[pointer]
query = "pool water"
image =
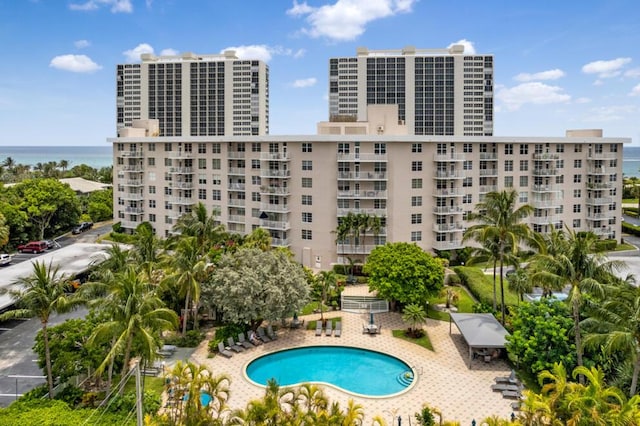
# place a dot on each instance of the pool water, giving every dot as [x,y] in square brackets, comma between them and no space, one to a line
[354,370]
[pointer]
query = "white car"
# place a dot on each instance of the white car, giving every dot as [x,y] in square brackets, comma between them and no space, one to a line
[5,259]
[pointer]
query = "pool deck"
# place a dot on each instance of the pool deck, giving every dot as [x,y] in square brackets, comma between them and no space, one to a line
[444,379]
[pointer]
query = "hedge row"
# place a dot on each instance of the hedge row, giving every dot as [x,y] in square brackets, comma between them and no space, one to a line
[481,285]
[630,229]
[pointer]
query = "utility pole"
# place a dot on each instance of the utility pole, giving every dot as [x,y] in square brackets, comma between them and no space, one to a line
[138,396]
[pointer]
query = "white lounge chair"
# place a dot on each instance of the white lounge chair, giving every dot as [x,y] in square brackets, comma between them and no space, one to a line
[223,351]
[233,346]
[328,329]
[318,328]
[338,331]
[245,344]
[262,336]
[272,335]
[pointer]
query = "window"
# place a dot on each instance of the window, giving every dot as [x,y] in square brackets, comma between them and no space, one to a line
[508,149]
[256,180]
[152,189]
[307,217]
[508,165]
[524,149]
[467,165]
[577,164]
[467,147]
[523,197]
[467,199]
[202,194]
[151,147]
[576,223]
[343,148]
[306,234]
[560,164]
[307,165]
[255,196]
[256,147]
[216,164]
[416,148]
[216,195]
[307,147]
[202,163]
[380,148]
[577,178]
[416,201]
[167,162]
[167,147]
[467,182]
[416,218]
[577,193]
[216,180]
[307,182]
[151,161]
[524,165]
[524,181]
[508,181]
[152,204]
[560,148]
[152,217]
[202,179]
[202,148]
[416,236]
[215,148]
[416,166]
[416,183]
[577,148]
[577,208]
[307,200]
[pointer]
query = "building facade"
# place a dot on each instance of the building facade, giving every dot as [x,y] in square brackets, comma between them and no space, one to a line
[420,188]
[438,91]
[195,95]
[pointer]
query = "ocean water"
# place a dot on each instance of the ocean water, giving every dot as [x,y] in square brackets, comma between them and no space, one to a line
[93,156]
[631,161]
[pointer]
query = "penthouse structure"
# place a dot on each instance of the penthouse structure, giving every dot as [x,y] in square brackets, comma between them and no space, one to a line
[420,188]
[195,95]
[442,92]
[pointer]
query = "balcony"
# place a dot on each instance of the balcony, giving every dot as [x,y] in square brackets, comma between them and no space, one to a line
[362,157]
[448,210]
[449,157]
[448,245]
[485,189]
[133,210]
[551,171]
[602,156]
[369,211]
[362,175]
[131,182]
[274,190]
[274,224]
[236,202]
[488,156]
[274,156]
[131,196]
[545,188]
[600,216]
[177,155]
[601,231]
[449,227]
[236,187]
[354,248]
[132,168]
[236,171]
[235,155]
[131,154]
[128,224]
[181,170]
[236,218]
[545,220]
[362,194]
[447,193]
[601,170]
[185,201]
[488,172]
[546,156]
[278,208]
[546,204]
[449,175]
[600,200]
[274,173]
[280,242]
[180,185]
[600,185]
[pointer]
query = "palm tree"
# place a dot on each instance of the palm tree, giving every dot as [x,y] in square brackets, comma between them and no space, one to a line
[201,225]
[579,266]
[520,283]
[326,280]
[362,226]
[616,327]
[41,294]
[500,221]
[415,316]
[64,164]
[488,252]
[135,314]
[258,238]
[188,270]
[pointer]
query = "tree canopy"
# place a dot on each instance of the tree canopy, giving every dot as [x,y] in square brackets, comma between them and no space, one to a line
[404,272]
[251,285]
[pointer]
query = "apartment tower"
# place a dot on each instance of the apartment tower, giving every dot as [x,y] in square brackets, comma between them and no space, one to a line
[438,91]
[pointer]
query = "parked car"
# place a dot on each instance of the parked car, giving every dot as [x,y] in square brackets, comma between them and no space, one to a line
[50,243]
[33,247]
[5,259]
[82,227]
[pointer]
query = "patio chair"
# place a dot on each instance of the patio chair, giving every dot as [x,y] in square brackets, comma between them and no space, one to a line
[500,387]
[272,335]
[511,379]
[338,331]
[223,351]
[318,328]
[365,329]
[243,342]
[262,336]
[329,329]
[379,329]
[233,346]
[511,394]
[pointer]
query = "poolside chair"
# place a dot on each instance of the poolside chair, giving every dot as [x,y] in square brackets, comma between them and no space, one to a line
[338,331]
[245,344]
[272,335]
[262,336]
[318,328]
[223,351]
[233,346]
[379,329]
[511,379]
[329,330]
[511,394]
[501,387]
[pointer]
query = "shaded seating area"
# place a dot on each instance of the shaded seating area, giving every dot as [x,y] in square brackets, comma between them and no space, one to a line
[482,332]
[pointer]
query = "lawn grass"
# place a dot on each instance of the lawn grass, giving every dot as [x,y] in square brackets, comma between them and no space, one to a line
[311,325]
[624,247]
[481,285]
[151,384]
[421,341]
[310,307]
[464,304]
[630,201]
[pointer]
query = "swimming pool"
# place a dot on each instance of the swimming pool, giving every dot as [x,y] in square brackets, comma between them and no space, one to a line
[354,370]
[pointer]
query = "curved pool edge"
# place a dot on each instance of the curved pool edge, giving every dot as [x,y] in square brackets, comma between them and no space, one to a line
[338,388]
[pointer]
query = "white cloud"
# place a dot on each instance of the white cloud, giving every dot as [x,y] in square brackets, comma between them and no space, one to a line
[543,75]
[611,113]
[530,93]
[133,55]
[582,100]
[635,91]
[304,82]
[633,73]
[469,48]
[169,52]
[606,69]
[117,6]
[263,52]
[74,63]
[346,19]
[81,44]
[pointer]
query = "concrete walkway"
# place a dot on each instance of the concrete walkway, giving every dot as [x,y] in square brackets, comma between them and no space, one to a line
[444,380]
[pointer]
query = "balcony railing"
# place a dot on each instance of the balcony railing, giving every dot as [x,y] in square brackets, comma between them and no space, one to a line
[545,172]
[180,185]
[545,188]
[179,154]
[449,157]
[447,193]
[361,157]
[269,207]
[236,170]
[128,224]
[236,202]
[132,168]
[449,175]
[488,156]
[602,156]
[236,218]
[236,186]
[545,220]
[546,156]
[484,189]
[369,211]
[488,172]
[601,170]
[600,200]
[133,210]
[274,224]
[601,216]
[275,156]
[448,210]
[546,203]
[447,245]
[131,182]
[362,175]
[362,194]
[181,170]
[131,154]
[280,242]
[355,248]
[273,173]
[448,227]
[186,201]
[235,155]
[131,196]
[275,190]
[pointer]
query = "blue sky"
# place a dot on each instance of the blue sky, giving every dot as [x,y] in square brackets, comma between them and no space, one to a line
[558,65]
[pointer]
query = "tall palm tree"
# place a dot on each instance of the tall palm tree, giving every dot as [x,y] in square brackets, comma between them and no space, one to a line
[363,221]
[520,283]
[201,225]
[136,315]
[498,219]
[41,294]
[258,238]
[581,268]
[489,251]
[326,280]
[187,271]
[614,325]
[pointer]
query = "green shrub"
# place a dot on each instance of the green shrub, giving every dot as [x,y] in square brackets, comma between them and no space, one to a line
[121,238]
[340,269]
[223,333]
[151,402]
[453,279]
[606,245]
[481,285]
[190,340]
[70,394]
[425,417]
[630,229]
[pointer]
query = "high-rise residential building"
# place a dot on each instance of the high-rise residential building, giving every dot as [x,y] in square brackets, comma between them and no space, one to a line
[415,188]
[438,91]
[195,95]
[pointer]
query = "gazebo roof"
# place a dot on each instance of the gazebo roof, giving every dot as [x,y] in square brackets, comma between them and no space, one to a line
[480,330]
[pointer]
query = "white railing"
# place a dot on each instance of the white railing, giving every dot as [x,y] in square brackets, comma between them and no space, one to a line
[180,185]
[362,157]
[363,175]
[269,173]
[370,211]
[452,156]
[362,194]
[449,175]
[600,200]
[447,245]
[363,304]
[269,207]
[181,170]
[448,210]
[277,156]
[545,220]
[272,224]
[448,227]
[447,193]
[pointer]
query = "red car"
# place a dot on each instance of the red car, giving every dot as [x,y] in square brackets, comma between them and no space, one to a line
[33,247]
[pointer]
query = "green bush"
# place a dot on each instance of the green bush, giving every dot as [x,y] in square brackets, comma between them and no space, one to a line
[223,333]
[453,279]
[481,285]
[72,395]
[190,340]
[606,245]
[121,238]
[340,269]
[124,404]
[630,229]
